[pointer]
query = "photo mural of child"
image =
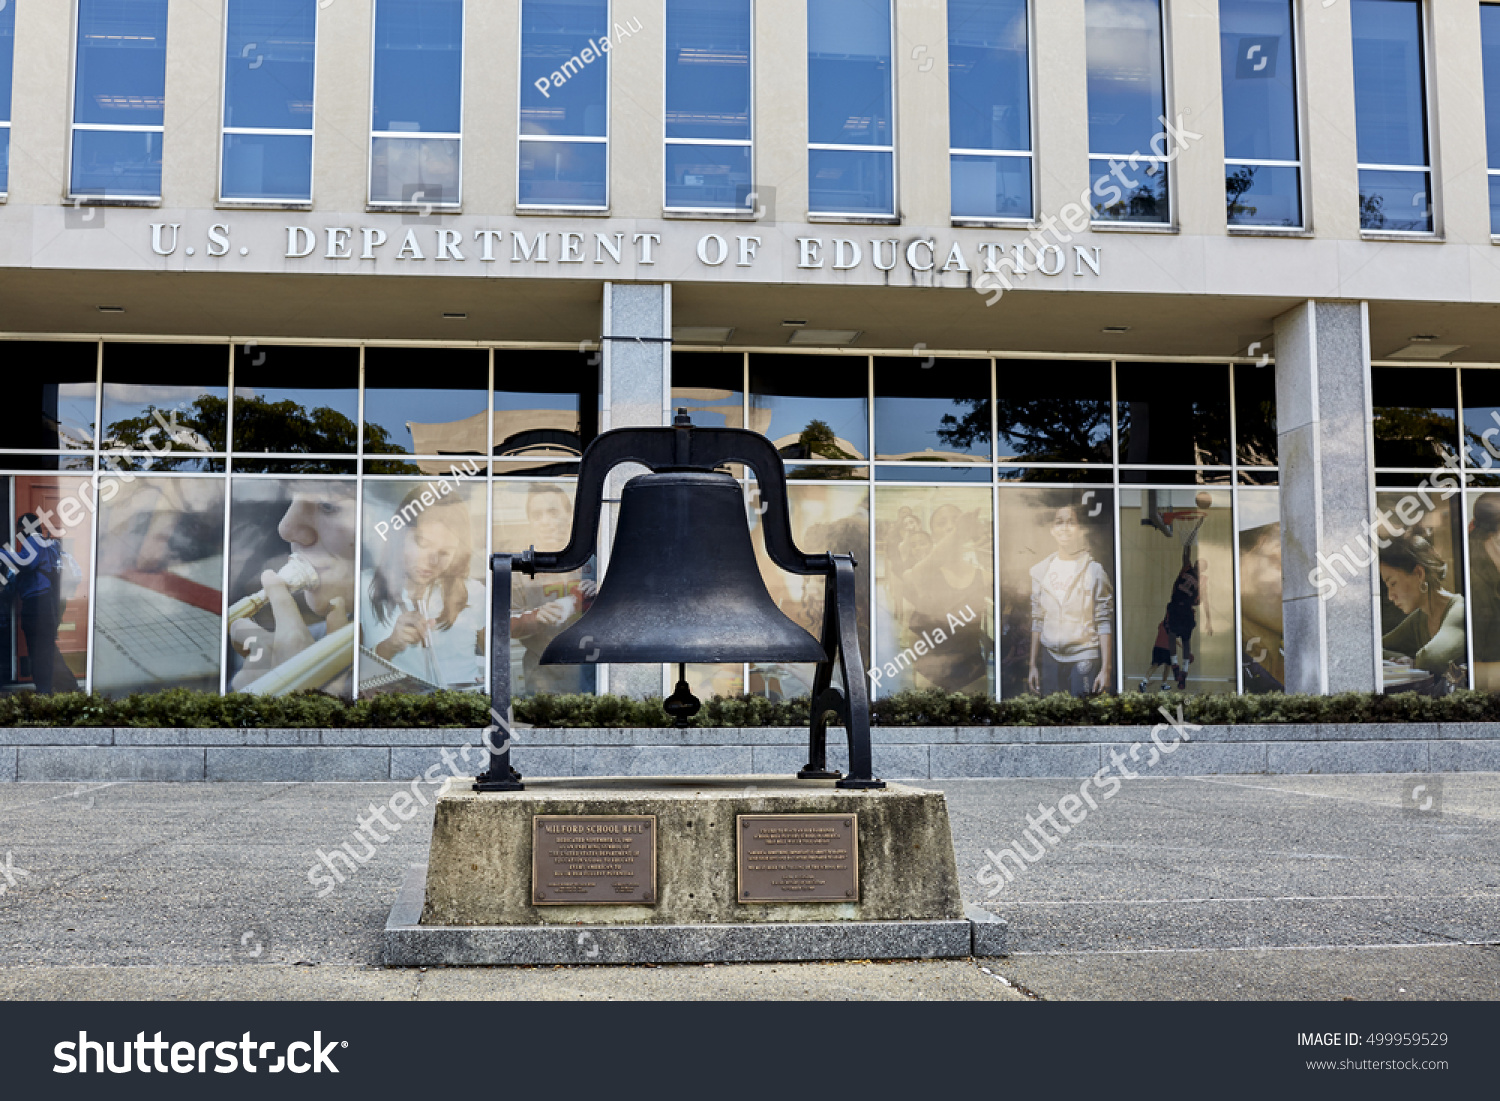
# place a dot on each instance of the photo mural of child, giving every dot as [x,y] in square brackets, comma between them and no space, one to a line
[1176,576]
[1057,589]
[1175,631]
[422,615]
[1072,614]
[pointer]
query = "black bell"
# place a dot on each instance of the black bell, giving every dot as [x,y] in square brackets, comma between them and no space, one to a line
[683,584]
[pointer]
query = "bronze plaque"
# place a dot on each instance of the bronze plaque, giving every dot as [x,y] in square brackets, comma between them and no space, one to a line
[593,859]
[798,857]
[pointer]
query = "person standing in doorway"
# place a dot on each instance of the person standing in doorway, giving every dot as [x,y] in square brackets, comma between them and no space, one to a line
[39,562]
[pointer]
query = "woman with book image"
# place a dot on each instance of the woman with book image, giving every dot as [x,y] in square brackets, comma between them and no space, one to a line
[423,614]
[1432,634]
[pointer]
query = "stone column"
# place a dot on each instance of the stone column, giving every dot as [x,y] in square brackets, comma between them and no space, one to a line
[637,353]
[1323,413]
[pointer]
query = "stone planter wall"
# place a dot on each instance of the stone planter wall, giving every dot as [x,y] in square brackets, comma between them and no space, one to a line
[103,754]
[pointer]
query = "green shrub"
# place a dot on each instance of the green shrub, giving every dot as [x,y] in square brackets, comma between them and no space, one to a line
[181,708]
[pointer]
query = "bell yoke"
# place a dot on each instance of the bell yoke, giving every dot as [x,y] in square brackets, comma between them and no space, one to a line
[683,585]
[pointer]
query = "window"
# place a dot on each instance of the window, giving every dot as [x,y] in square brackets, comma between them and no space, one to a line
[989,109]
[850,135]
[1127,105]
[417,103]
[269,47]
[1390,116]
[119,93]
[1489,34]
[7,64]
[708,104]
[1257,56]
[564,156]
[966,481]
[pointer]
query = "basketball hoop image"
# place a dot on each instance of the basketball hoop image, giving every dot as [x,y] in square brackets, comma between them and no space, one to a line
[1188,589]
[1180,522]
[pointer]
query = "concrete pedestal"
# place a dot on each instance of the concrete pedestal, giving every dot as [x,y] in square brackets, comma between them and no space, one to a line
[475,899]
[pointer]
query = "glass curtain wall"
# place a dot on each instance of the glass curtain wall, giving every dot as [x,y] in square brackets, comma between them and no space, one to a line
[270,518]
[273,517]
[1437,475]
[1031,524]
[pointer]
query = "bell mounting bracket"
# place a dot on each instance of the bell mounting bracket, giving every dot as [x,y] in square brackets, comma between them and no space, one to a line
[685,447]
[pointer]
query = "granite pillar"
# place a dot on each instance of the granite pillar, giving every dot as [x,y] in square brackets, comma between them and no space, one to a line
[1323,409]
[635,339]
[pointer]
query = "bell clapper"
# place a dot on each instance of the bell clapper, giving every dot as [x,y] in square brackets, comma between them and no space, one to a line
[682,705]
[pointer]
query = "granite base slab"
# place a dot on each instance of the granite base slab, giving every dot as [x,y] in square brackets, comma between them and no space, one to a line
[410,944]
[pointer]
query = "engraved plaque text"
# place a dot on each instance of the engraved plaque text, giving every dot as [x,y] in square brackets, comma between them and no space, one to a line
[798,857]
[593,859]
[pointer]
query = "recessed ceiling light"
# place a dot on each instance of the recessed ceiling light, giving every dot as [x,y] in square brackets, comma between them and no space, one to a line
[1115,329]
[1422,350]
[824,336]
[111,309]
[794,322]
[1423,338]
[702,334]
[455,317]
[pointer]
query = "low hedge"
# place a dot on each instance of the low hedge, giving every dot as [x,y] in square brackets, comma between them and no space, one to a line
[180,708]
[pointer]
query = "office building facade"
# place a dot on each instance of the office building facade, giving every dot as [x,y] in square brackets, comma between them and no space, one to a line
[1121,341]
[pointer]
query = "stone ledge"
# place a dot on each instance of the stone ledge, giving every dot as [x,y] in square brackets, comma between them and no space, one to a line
[988,931]
[131,754]
[626,738]
[109,763]
[408,944]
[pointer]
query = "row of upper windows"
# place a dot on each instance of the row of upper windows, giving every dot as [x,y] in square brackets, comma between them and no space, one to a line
[417,106]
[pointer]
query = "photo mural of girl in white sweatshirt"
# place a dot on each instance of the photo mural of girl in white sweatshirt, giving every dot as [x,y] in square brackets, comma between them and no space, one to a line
[1072,614]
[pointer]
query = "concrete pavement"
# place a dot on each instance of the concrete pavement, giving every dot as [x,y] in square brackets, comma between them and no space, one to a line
[1320,887]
